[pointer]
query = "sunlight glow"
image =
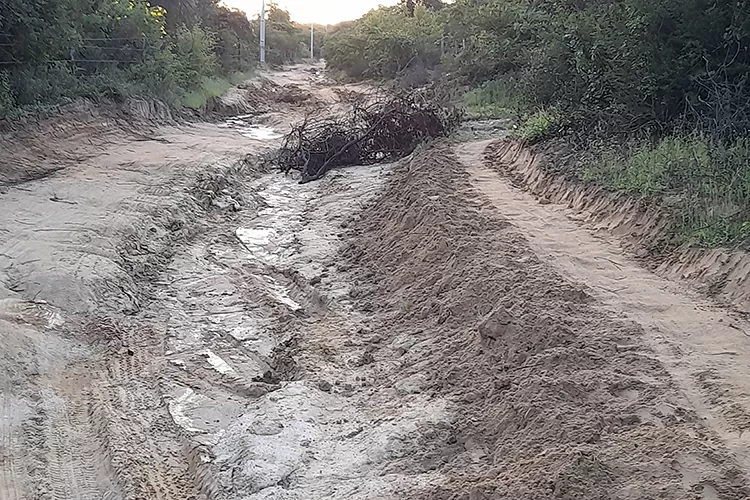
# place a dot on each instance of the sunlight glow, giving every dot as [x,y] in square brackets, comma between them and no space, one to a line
[316,11]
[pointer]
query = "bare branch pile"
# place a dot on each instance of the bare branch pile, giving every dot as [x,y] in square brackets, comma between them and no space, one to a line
[380,129]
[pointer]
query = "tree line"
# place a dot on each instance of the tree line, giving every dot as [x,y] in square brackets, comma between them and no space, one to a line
[176,50]
[653,94]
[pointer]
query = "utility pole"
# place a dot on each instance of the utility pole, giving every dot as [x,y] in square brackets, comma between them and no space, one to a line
[263,33]
[322,48]
[312,40]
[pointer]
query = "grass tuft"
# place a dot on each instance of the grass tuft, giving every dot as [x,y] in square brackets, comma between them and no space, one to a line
[705,184]
[213,87]
[538,126]
[494,99]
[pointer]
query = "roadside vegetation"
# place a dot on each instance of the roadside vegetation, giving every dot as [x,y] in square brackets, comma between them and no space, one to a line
[655,93]
[182,52]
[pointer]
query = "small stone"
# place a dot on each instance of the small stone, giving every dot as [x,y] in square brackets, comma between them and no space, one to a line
[497,324]
[324,386]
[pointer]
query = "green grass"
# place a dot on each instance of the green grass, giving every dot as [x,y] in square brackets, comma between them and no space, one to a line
[494,99]
[499,99]
[704,184]
[538,126]
[213,87]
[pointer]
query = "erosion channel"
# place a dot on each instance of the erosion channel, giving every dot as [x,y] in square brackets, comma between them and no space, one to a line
[178,323]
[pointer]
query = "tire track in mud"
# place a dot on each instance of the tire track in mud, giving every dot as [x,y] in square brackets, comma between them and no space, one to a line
[140,445]
[100,427]
[71,460]
[11,463]
[28,443]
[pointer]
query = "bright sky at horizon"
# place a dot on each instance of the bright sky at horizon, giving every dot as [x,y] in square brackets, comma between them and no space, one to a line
[315,11]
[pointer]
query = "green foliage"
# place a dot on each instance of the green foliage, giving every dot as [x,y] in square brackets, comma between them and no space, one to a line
[610,67]
[44,84]
[213,87]
[65,49]
[385,42]
[237,45]
[540,125]
[7,99]
[706,184]
[494,99]
[194,58]
[286,41]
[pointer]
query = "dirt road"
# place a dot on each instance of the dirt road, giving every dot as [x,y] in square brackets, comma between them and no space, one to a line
[176,324]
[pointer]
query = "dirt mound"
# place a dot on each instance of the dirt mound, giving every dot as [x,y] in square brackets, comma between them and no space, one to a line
[259,96]
[555,397]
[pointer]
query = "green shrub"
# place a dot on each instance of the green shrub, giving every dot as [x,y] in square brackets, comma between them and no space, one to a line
[44,84]
[494,99]
[120,48]
[7,100]
[385,42]
[194,58]
[705,184]
[213,87]
[540,125]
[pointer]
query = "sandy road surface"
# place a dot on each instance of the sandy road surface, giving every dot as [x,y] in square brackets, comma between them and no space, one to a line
[146,308]
[178,325]
[706,349]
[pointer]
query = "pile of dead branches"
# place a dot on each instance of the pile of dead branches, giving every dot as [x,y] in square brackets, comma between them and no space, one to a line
[380,128]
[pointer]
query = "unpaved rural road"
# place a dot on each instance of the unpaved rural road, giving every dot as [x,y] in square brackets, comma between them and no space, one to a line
[177,324]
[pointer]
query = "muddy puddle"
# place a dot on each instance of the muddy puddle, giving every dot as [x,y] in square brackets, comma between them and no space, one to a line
[243,124]
[319,430]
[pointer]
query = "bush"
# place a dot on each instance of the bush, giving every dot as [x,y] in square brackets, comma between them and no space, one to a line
[7,100]
[44,84]
[194,58]
[76,48]
[213,87]
[385,42]
[494,99]
[540,125]
[705,184]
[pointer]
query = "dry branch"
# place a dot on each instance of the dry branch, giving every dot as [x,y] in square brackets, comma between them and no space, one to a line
[382,129]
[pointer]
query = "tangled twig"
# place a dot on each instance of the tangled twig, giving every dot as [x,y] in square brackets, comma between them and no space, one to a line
[383,129]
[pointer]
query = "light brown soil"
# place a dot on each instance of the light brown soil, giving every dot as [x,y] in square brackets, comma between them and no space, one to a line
[557,394]
[641,227]
[177,324]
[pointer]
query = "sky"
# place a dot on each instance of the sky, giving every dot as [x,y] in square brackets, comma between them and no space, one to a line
[316,11]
